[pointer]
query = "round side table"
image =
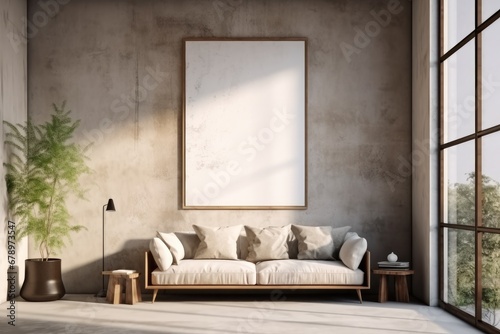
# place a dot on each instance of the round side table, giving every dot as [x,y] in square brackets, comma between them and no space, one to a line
[401,286]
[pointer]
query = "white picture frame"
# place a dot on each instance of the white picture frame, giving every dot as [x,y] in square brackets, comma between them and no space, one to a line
[244,124]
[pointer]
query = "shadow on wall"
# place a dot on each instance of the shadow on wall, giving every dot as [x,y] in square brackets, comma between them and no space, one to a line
[130,257]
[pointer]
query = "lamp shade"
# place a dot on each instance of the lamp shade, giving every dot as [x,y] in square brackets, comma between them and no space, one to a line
[111,205]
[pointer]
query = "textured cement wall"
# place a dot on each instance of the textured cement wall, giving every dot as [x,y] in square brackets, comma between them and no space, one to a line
[425,176]
[118,65]
[13,108]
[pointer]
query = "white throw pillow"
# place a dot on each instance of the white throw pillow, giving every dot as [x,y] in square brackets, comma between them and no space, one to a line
[161,254]
[349,235]
[174,244]
[315,242]
[217,242]
[352,251]
[268,243]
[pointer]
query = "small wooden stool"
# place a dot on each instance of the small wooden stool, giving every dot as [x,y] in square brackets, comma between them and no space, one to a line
[116,284]
[399,282]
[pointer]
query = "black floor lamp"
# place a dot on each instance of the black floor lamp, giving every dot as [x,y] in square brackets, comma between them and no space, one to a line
[106,207]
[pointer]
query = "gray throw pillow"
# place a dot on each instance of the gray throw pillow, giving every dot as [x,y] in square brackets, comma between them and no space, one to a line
[190,242]
[339,234]
[315,242]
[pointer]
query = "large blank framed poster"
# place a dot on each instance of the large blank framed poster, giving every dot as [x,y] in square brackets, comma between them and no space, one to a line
[244,124]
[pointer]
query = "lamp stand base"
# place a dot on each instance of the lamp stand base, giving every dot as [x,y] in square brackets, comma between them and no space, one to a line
[102,293]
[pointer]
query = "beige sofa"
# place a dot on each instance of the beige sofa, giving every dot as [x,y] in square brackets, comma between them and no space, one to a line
[287,258]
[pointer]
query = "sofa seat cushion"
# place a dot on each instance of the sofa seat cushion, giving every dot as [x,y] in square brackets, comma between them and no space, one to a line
[310,272]
[206,272]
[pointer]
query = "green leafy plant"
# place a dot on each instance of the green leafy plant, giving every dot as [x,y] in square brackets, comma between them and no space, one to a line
[43,170]
[462,255]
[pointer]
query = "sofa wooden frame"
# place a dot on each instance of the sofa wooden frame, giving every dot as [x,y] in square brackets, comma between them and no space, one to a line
[148,269]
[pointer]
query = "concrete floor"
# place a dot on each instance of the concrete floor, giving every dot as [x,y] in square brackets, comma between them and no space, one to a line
[79,314]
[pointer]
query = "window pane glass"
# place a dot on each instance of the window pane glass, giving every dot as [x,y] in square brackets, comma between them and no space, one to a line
[491,279]
[491,75]
[459,93]
[458,21]
[459,269]
[459,181]
[489,8]
[491,180]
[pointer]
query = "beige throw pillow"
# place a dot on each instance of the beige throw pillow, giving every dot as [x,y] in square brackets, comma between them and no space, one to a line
[217,242]
[268,243]
[174,244]
[161,254]
[315,242]
[352,251]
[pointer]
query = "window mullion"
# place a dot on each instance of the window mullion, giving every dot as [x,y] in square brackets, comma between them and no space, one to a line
[478,166]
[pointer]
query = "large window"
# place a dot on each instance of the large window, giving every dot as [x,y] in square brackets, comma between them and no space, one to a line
[470,161]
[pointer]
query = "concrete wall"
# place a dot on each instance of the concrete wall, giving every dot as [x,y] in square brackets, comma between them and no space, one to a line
[13,108]
[98,54]
[425,151]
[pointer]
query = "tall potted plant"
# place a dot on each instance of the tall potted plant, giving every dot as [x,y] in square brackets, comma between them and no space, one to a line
[43,169]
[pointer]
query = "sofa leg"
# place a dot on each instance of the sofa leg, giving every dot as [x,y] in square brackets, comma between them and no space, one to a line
[358,291]
[155,292]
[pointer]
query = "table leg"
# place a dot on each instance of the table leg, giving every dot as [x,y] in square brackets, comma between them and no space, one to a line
[138,290]
[110,291]
[401,289]
[117,290]
[382,289]
[129,291]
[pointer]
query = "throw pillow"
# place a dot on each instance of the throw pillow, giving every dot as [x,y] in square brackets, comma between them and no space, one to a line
[217,242]
[292,243]
[352,251]
[190,242]
[339,234]
[315,242]
[268,243]
[161,254]
[349,235]
[242,245]
[174,244]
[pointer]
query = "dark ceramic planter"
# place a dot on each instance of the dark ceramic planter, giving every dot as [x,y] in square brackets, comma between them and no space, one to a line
[42,281]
